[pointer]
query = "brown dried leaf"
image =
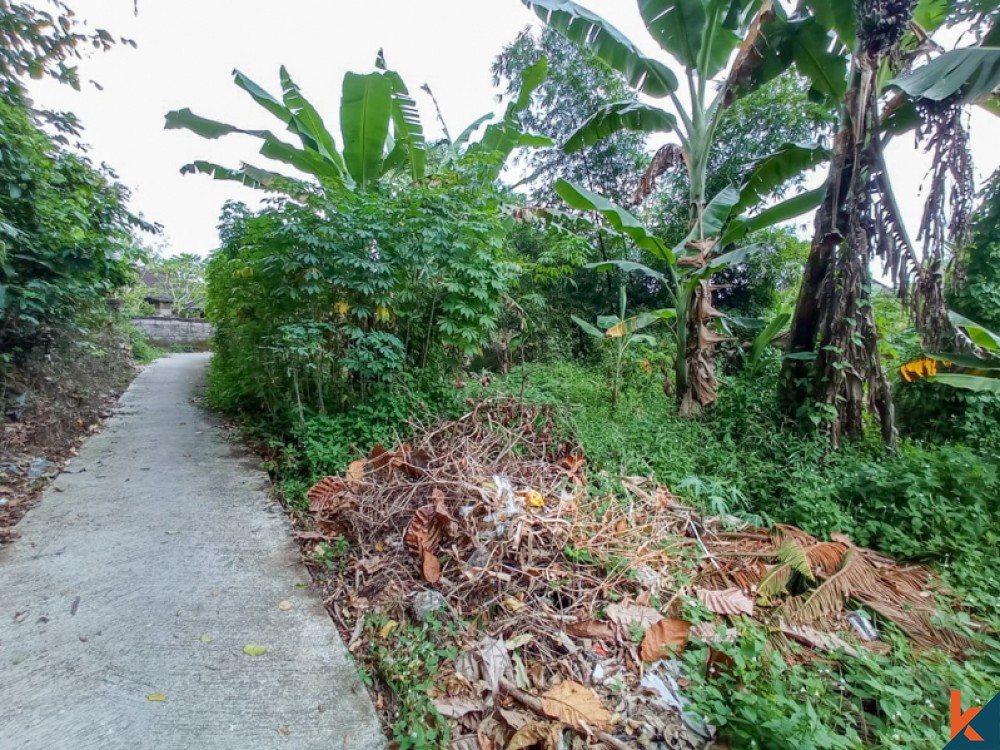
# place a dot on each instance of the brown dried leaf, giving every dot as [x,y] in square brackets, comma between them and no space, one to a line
[535,735]
[430,566]
[817,640]
[326,494]
[664,639]
[595,629]
[826,556]
[425,530]
[575,705]
[626,614]
[355,474]
[456,708]
[515,719]
[380,461]
[856,575]
[727,602]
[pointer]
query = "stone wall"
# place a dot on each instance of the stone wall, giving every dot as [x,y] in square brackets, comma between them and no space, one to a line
[188,332]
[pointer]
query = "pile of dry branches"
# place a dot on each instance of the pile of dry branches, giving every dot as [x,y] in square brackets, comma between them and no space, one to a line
[577,598]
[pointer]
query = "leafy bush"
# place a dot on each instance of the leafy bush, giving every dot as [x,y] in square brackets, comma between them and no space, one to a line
[66,243]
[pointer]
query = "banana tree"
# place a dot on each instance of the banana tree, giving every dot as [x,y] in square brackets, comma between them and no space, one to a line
[381,132]
[834,360]
[616,328]
[979,371]
[701,36]
[686,275]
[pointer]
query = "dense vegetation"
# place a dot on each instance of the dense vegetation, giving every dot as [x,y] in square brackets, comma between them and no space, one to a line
[68,243]
[349,308]
[661,302]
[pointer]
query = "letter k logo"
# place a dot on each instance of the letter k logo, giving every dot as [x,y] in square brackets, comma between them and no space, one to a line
[960,720]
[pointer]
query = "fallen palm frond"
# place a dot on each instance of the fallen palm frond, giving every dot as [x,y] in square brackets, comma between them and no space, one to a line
[492,514]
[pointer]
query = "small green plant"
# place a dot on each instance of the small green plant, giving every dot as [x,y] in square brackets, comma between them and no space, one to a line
[406,658]
[624,337]
[333,555]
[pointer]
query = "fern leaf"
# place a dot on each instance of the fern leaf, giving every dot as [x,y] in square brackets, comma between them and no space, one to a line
[775,583]
[856,575]
[793,554]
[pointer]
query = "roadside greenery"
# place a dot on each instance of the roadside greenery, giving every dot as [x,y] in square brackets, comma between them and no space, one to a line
[384,287]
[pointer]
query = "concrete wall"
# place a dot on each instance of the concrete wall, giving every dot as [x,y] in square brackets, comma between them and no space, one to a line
[189,332]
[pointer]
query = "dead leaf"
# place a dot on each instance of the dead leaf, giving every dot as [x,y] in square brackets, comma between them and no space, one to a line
[380,461]
[575,705]
[664,639]
[515,719]
[456,708]
[665,498]
[326,494]
[595,629]
[283,730]
[727,602]
[425,529]
[514,605]
[818,640]
[285,606]
[430,566]
[355,474]
[627,614]
[386,630]
[535,734]
[519,641]
[495,661]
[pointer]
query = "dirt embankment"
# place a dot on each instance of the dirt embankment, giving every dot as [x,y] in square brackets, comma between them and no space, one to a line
[51,402]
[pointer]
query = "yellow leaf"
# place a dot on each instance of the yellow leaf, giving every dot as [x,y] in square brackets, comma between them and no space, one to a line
[206,638]
[156,697]
[252,649]
[284,606]
[386,630]
[918,368]
[514,605]
[534,499]
[575,705]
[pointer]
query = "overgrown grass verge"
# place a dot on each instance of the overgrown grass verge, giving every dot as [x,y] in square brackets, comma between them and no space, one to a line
[932,503]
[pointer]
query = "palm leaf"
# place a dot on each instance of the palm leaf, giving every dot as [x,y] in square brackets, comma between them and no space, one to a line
[607,43]
[967,75]
[854,576]
[365,112]
[618,116]
[767,174]
[308,124]
[620,219]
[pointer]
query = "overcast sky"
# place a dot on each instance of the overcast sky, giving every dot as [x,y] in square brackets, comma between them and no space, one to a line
[188,49]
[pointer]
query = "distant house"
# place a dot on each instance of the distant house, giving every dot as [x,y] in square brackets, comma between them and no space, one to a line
[154,285]
[163,306]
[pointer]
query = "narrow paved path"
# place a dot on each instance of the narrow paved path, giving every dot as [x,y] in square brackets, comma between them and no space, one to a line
[145,570]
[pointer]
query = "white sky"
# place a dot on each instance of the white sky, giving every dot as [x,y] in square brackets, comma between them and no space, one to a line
[188,49]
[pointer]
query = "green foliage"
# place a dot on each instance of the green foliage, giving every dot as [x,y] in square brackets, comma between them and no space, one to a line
[406,659]
[576,86]
[39,42]
[764,700]
[975,292]
[66,243]
[312,313]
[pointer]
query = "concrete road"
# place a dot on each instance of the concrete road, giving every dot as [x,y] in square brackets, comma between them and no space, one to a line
[140,577]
